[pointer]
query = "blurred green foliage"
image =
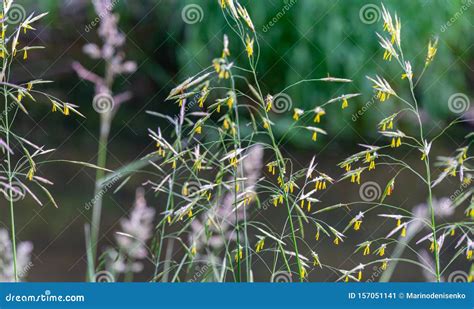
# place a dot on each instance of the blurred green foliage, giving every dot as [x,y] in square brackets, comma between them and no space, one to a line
[310,39]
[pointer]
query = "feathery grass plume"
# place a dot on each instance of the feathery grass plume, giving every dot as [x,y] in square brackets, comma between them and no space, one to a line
[105,102]
[23,258]
[21,158]
[218,221]
[223,126]
[408,224]
[136,230]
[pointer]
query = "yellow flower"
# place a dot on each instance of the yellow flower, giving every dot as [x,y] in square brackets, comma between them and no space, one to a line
[266,124]
[31,173]
[260,245]
[272,167]
[372,165]
[268,103]
[384,264]
[357,225]
[249,46]
[66,110]
[347,167]
[396,142]
[405,75]
[303,272]
[345,103]
[404,231]
[367,249]
[387,55]
[316,261]
[297,113]
[432,49]
[238,255]
[383,96]
[318,113]
[230,102]
[382,250]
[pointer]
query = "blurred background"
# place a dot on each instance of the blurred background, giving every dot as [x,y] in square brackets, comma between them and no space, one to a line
[311,39]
